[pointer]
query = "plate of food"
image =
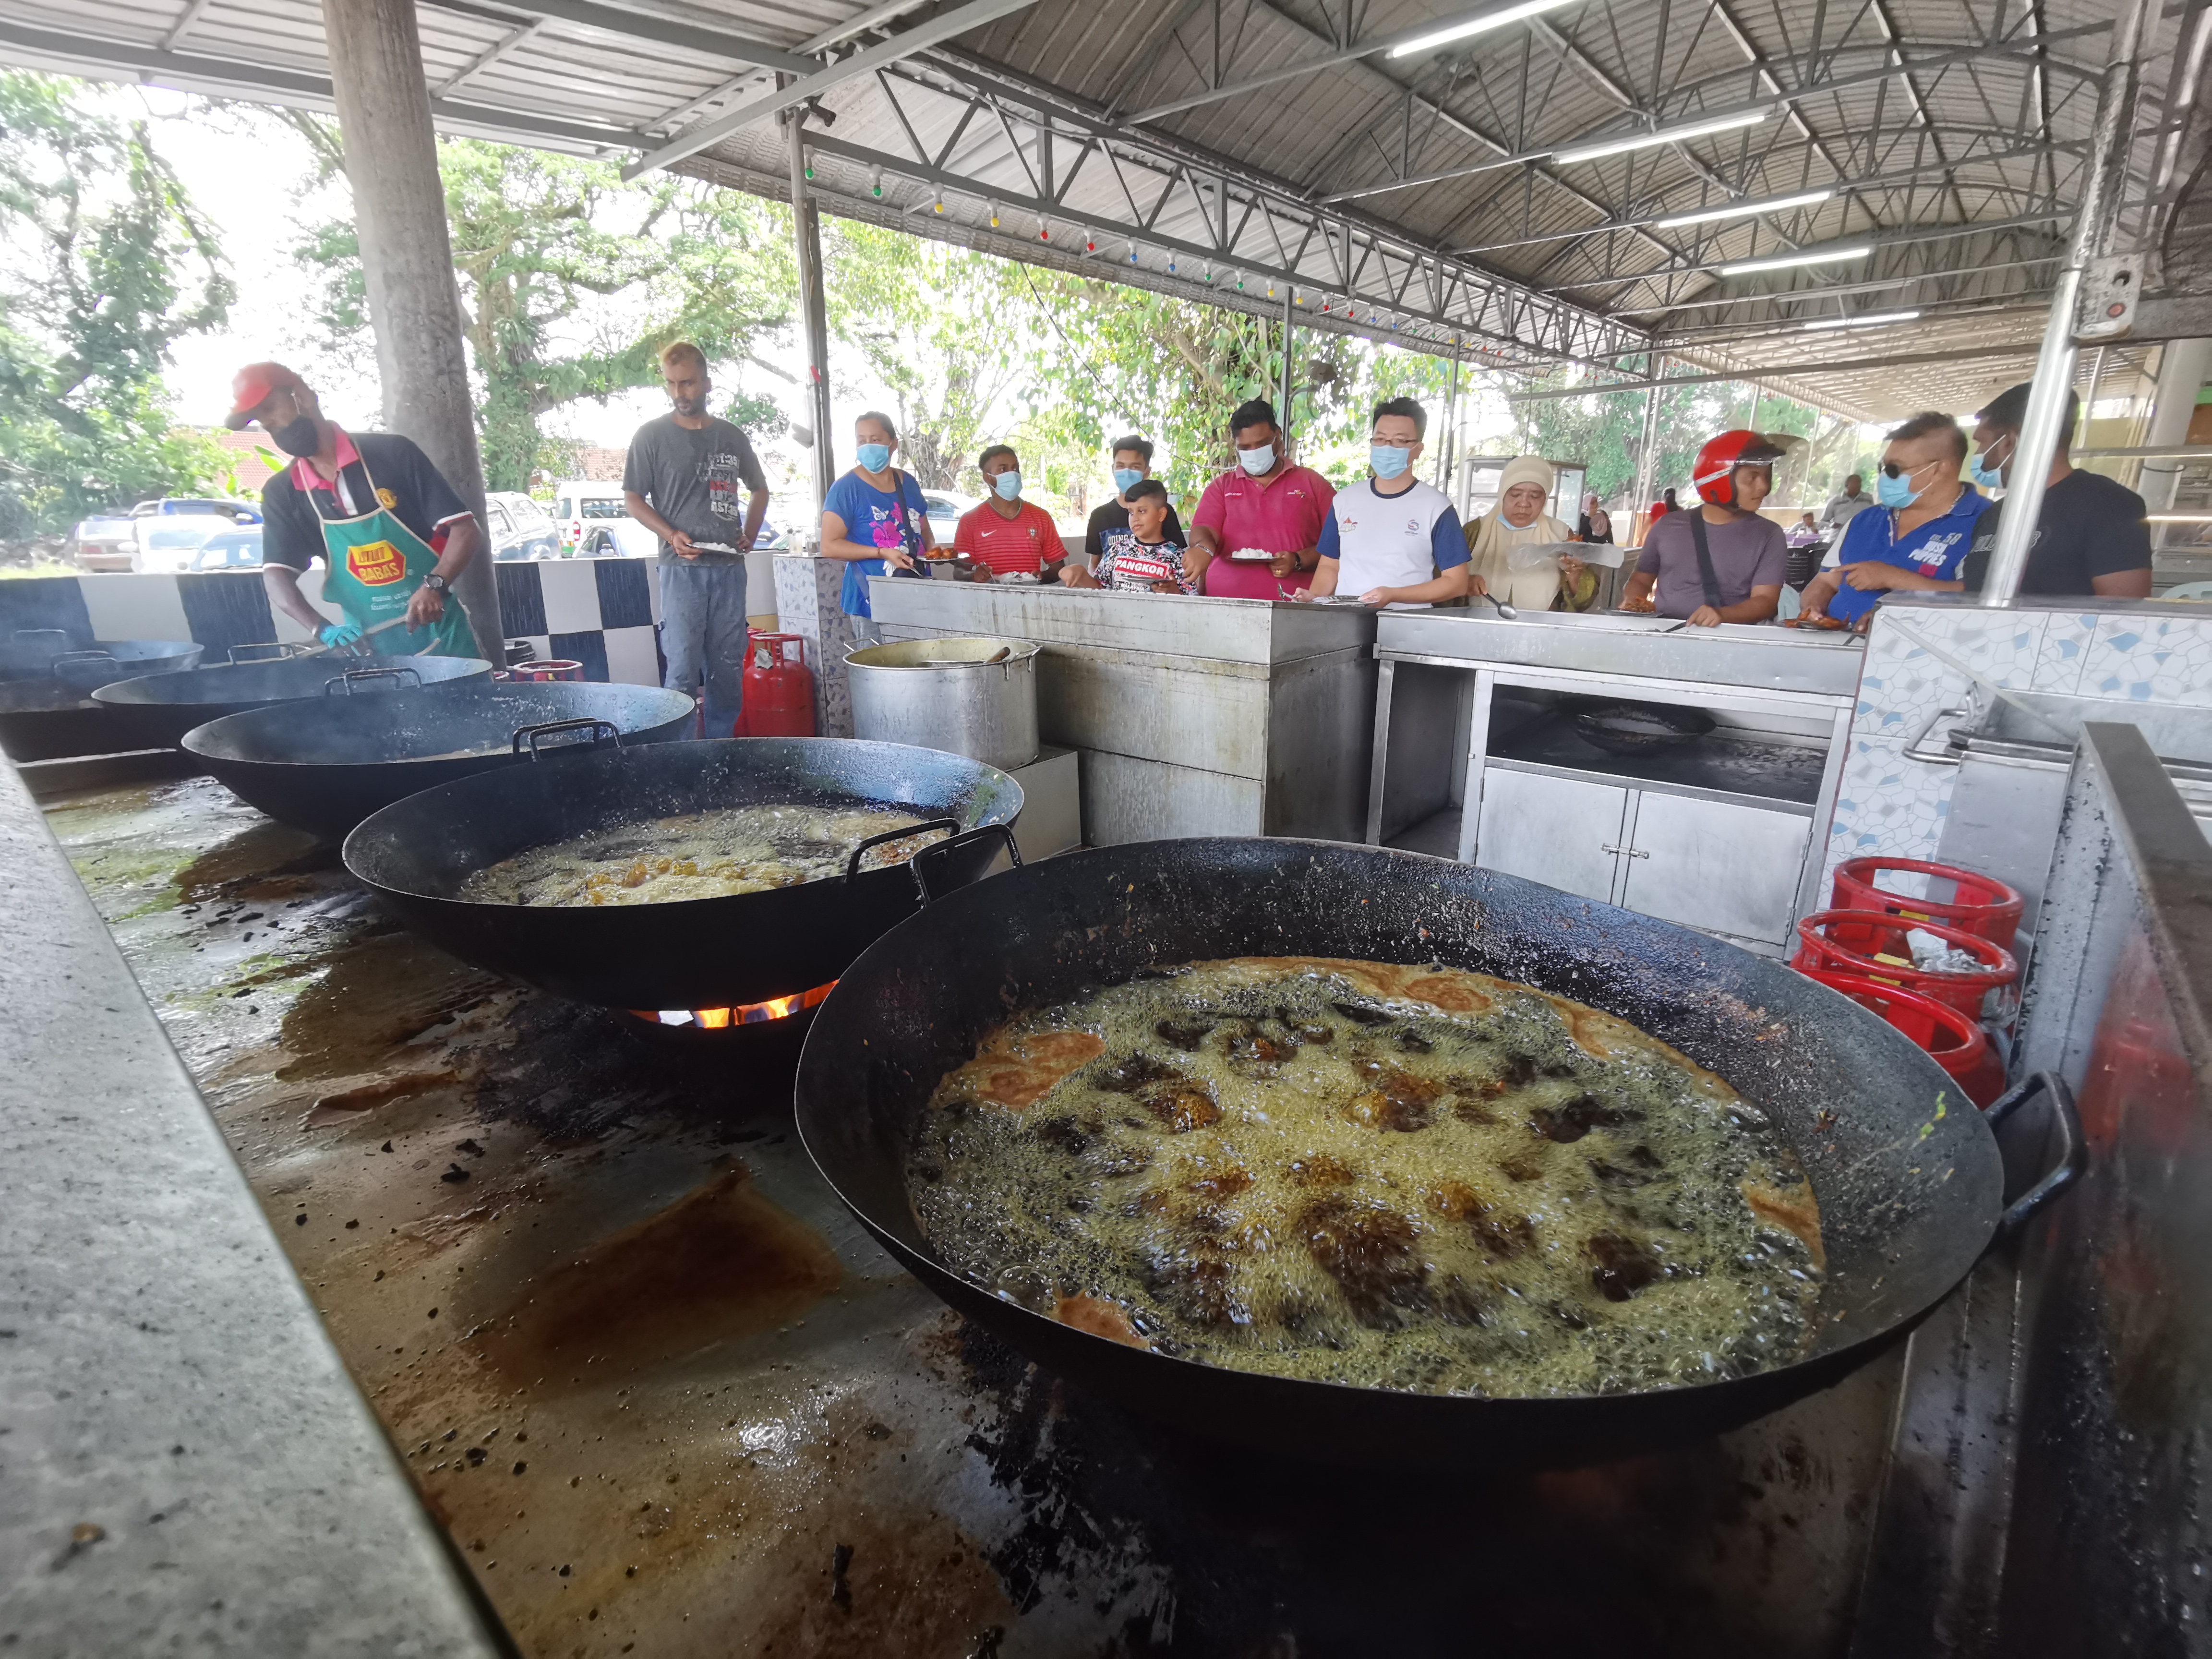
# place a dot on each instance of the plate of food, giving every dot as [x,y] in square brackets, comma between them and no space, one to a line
[1253,556]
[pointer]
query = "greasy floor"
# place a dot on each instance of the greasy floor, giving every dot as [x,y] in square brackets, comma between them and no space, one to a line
[669,1399]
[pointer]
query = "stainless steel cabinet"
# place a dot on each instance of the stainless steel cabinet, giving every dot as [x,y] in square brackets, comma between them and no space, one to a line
[1559,831]
[1708,864]
[1725,868]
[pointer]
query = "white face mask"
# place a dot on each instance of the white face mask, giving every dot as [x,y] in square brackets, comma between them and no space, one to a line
[1256,461]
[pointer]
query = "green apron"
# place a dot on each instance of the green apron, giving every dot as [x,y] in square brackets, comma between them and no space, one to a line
[374,564]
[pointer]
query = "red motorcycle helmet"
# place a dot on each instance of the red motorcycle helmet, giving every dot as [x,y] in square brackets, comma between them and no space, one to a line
[1715,473]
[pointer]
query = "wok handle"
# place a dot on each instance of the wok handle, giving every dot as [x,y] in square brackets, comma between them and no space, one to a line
[966,837]
[61,657]
[347,679]
[951,826]
[530,734]
[282,650]
[2074,1156]
[34,633]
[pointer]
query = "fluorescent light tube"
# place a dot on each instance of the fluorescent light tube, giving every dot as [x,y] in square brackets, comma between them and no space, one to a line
[1460,31]
[1862,322]
[1832,256]
[1646,140]
[1742,210]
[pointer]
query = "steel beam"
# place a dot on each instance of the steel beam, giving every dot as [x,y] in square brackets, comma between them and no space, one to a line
[626,24]
[1768,372]
[266,83]
[1779,100]
[973,15]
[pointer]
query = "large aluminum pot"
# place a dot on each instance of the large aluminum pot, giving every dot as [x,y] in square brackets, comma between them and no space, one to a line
[976,698]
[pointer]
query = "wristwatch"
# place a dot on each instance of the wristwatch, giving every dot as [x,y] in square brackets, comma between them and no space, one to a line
[437,584]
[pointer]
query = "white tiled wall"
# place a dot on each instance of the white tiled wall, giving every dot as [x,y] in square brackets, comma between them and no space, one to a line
[1890,805]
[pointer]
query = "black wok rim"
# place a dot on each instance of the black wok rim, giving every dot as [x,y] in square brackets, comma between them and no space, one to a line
[1778,1384]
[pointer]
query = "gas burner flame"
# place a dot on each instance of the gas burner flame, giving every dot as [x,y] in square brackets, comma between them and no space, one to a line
[749,1013]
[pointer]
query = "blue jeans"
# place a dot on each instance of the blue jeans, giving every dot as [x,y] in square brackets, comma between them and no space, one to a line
[702,633]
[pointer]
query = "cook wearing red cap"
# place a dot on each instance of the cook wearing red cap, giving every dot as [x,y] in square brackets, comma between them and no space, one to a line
[1718,562]
[392,532]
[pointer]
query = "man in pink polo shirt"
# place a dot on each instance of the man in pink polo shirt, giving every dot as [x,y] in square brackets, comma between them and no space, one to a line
[1263,504]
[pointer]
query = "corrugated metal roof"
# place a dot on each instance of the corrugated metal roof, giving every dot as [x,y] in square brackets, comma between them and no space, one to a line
[1425,191]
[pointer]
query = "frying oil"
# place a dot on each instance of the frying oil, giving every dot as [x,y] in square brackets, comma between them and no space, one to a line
[1407,1178]
[742,849]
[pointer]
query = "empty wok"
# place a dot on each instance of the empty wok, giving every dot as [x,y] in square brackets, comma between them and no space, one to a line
[155,711]
[690,953]
[1907,1174]
[323,764]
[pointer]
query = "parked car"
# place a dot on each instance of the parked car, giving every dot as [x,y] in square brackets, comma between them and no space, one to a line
[520,528]
[230,550]
[157,535]
[594,521]
[945,507]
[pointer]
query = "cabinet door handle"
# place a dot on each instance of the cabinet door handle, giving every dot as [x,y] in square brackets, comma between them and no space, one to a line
[1632,852]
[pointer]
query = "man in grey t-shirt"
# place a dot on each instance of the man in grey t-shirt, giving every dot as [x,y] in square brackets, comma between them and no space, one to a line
[681,481]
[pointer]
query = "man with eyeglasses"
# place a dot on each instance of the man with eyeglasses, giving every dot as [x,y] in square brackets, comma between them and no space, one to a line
[1919,539]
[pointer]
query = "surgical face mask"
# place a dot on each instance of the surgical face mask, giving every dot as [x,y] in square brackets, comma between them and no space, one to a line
[1257,461]
[1126,478]
[1892,486]
[298,436]
[874,457]
[1387,460]
[1008,484]
[1988,474]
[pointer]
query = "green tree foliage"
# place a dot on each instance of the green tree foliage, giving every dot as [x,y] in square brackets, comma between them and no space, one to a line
[109,267]
[540,241]
[939,327]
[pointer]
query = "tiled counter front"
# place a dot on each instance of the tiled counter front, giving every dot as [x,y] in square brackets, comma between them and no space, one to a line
[2148,655]
[600,612]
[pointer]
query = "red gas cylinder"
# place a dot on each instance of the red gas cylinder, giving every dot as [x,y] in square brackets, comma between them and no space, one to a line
[1978,903]
[779,689]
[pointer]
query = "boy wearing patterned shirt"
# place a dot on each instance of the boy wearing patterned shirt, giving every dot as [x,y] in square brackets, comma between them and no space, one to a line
[1141,559]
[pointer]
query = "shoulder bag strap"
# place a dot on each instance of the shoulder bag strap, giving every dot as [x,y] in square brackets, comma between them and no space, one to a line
[1712,583]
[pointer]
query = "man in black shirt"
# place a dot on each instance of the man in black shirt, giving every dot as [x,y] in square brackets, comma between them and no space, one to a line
[1132,463]
[2091,537]
[681,481]
[393,534]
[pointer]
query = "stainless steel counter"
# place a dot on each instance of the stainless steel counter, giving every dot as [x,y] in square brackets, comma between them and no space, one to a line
[1191,717]
[1473,759]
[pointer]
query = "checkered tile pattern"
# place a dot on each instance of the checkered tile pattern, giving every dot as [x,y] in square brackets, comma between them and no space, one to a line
[601,613]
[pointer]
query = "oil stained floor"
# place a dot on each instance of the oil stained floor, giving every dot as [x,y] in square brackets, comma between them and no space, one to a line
[670,1400]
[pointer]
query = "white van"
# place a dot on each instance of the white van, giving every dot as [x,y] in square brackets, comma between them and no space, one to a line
[595,523]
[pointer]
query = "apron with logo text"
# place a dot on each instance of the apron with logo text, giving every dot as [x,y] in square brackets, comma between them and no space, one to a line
[375,564]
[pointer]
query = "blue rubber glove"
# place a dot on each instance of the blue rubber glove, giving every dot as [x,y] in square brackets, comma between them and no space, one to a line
[342,633]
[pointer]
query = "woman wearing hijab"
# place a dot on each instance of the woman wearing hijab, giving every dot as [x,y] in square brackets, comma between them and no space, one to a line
[1519,520]
[1596,525]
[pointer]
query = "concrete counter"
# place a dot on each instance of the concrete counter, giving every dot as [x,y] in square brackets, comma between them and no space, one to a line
[1190,716]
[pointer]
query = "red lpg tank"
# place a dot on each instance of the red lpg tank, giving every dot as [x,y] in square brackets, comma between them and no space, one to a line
[779,689]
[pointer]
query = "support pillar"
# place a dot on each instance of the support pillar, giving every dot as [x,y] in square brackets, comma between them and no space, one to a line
[1647,447]
[2183,367]
[813,309]
[407,261]
[1290,326]
[2028,474]
[1447,440]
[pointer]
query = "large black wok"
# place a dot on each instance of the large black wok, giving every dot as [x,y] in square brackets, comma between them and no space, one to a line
[693,953]
[1911,1193]
[155,711]
[41,654]
[325,764]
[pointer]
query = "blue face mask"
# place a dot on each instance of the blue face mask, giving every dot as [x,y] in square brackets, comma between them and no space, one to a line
[1008,484]
[1387,460]
[1894,492]
[874,457]
[1126,478]
[1990,478]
